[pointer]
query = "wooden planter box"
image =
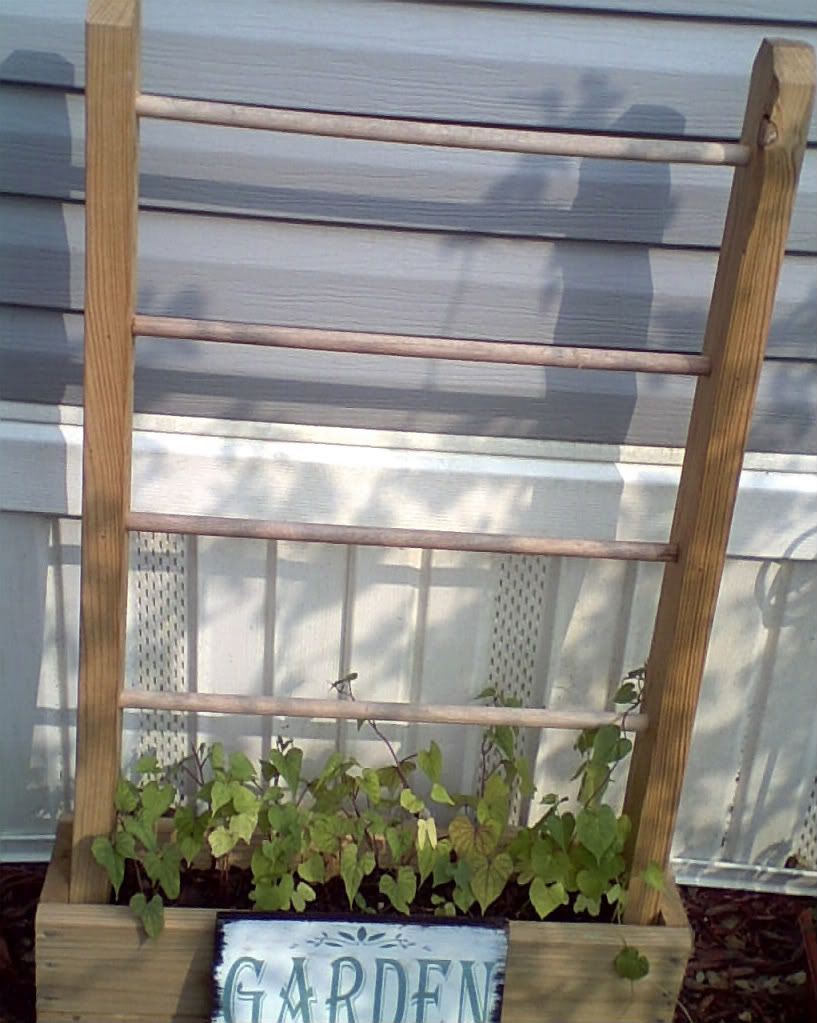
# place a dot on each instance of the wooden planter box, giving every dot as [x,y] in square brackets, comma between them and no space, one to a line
[94,965]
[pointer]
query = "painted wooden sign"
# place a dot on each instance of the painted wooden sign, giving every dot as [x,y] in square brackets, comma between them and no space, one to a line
[271,969]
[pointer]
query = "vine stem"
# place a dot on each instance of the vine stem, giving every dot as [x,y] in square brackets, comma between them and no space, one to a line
[344,687]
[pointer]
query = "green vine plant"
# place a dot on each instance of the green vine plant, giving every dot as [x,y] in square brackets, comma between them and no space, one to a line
[351,821]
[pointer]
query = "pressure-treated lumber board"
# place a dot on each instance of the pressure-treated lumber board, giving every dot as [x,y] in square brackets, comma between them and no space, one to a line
[780,99]
[111,169]
[93,964]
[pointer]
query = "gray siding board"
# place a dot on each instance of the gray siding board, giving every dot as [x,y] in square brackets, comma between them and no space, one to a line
[278,176]
[570,292]
[549,68]
[795,11]
[336,233]
[44,363]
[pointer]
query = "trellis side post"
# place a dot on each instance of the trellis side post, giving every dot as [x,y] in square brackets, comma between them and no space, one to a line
[757,224]
[111,167]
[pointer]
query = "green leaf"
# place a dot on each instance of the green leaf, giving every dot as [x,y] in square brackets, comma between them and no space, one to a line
[148,764]
[401,890]
[220,795]
[596,830]
[350,871]
[399,840]
[370,785]
[653,876]
[503,740]
[142,832]
[497,796]
[561,827]
[163,869]
[324,833]
[125,844]
[127,796]
[409,801]
[244,799]
[489,693]
[626,693]
[443,869]
[547,897]
[591,884]
[604,744]
[303,893]
[107,857]
[217,756]
[240,767]
[440,794]
[463,897]
[426,832]
[584,904]
[489,877]
[152,914]
[526,785]
[431,762]
[242,826]
[461,833]
[221,842]
[267,896]
[615,894]
[313,869]
[426,858]
[468,839]
[156,800]
[630,964]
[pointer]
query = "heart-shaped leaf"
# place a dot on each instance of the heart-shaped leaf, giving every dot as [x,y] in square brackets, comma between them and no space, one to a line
[596,830]
[630,964]
[431,762]
[489,877]
[152,914]
[546,897]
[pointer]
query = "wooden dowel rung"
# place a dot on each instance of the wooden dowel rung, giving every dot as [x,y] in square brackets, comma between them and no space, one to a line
[411,346]
[436,133]
[376,536]
[365,710]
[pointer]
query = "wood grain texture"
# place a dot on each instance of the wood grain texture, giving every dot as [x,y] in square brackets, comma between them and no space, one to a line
[779,106]
[369,710]
[94,964]
[452,349]
[490,138]
[372,536]
[111,168]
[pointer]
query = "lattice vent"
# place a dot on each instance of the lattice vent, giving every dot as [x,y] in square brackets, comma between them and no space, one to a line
[159,647]
[805,846]
[516,635]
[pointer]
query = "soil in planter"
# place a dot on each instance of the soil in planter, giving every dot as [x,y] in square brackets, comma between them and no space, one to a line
[209,888]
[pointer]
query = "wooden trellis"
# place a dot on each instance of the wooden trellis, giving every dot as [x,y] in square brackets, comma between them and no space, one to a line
[767,162]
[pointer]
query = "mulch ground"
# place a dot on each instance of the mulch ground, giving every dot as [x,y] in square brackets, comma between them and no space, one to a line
[748,965]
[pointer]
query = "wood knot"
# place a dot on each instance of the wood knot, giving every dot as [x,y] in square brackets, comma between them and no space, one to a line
[767,133]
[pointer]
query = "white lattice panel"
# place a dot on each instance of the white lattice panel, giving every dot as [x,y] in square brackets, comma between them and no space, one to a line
[158,636]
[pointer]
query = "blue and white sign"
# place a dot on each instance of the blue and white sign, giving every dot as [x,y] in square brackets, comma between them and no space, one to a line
[357,970]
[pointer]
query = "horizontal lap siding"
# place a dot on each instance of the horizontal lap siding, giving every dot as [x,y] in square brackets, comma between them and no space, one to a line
[358,235]
[279,176]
